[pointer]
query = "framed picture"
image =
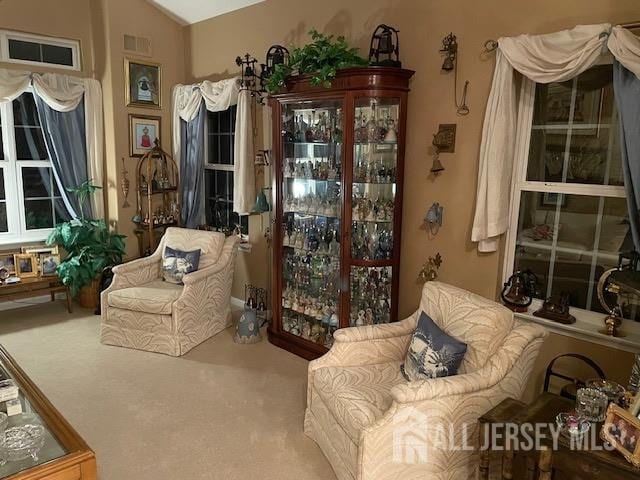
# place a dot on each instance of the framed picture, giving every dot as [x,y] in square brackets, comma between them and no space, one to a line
[143,83]
[37,249]
[26,265]
[49,264]
[7,261]
[622,430]
[550,199]
[143,131]
[587,108]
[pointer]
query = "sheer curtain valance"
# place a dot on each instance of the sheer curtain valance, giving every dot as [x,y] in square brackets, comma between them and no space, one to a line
[553,57]
[63,93]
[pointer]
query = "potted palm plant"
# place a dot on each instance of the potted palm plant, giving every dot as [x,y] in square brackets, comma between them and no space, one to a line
[90,247]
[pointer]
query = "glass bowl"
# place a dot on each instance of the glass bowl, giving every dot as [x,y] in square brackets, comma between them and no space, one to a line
[614,391]
[572,425]
[22,438]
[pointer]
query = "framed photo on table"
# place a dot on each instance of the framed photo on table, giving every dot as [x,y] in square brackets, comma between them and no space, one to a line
[143,83]
[26,265]
[49,264]
[143,131]
[7,261]
[621,429]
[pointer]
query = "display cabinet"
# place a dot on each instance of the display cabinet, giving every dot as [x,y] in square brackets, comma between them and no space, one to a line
[339,158]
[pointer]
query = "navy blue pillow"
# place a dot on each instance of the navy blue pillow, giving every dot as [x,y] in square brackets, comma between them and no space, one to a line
[176,264]
[432,353]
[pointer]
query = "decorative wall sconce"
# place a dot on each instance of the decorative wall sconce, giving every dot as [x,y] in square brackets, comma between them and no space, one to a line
[450,51]
[433,218]
[429,271]
[255,81]
[384,47]
[444,142]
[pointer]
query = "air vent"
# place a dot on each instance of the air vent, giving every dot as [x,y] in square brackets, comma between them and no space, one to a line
[137,45]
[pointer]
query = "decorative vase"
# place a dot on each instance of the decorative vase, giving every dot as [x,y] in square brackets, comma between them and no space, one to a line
[88,296]
[248,327]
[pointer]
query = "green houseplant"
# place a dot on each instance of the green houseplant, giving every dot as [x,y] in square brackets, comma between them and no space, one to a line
[321,58]
[90,247]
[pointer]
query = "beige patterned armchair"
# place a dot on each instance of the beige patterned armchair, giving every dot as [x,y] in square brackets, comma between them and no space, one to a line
[140,310]
[372,424]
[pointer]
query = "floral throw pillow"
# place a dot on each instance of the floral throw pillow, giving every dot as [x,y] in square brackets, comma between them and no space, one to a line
[176,264]
[432,353]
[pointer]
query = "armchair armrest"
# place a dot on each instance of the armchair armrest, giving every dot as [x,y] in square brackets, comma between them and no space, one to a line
[136,272]
[376,332]
[210,281]
[523,340]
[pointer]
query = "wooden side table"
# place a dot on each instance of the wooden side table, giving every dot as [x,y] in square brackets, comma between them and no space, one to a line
[34,287]
[546,464]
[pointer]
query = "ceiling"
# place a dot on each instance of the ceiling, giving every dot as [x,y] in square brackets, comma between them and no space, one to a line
[193,11]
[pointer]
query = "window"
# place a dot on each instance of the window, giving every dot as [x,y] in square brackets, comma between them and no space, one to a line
[30,202]
[570,219]
[31,49]
[219,145]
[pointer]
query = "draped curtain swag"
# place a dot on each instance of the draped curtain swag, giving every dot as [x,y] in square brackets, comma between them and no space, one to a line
[64,93]
[216,97]
[547,58]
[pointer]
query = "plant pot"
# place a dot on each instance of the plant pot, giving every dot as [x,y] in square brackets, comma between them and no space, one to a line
[88,296]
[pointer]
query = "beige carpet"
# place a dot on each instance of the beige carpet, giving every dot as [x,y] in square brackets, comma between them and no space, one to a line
[223,411]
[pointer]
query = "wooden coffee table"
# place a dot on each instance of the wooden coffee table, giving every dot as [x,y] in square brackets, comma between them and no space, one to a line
[564,463]
[35,287]
[64,455]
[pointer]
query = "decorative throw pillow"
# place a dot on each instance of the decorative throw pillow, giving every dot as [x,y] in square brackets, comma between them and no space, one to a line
[176,264]
[432,353]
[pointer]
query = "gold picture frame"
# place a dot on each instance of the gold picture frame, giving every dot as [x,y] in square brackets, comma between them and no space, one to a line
[143,83]
[141,140]
[26,265]
[48,264]
[622,430]
[8,261]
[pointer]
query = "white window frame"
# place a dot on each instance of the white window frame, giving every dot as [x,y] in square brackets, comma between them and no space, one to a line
[14,191]
[74,45]
[520,184]
[214,166]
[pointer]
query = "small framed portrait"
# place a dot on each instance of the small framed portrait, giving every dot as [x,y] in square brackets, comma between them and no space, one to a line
[26,265]
[143,83]
[622,430]
[49,264]
[144,130]
[7,261]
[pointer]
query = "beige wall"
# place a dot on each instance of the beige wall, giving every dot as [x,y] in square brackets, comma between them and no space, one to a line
[112,19]
[63,18]
[100,26]
[214,44]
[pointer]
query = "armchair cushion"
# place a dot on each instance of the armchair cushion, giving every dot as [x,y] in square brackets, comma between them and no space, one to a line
[357,396]
[209,243]
[432,353]
[177,263]
[154,297]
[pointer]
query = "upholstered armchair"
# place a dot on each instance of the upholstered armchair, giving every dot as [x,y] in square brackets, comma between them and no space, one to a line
[372,424]
[140,310]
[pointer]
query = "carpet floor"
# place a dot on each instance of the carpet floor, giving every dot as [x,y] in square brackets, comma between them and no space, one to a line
[223,411]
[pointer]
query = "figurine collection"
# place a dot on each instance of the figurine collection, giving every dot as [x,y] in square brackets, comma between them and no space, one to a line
[366,209]
[319,168]
[311,235]
[307,127]
[374,129]
[370,241]
[370,296]
[314,204]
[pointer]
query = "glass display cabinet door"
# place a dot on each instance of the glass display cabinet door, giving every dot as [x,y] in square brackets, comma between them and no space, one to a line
[375,162]
[311,212]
